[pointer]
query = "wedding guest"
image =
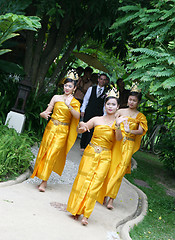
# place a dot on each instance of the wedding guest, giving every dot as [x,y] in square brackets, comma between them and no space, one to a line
[83,84]
[92,106]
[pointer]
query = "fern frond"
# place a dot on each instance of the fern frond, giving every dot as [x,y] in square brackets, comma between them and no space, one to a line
[155,24]
[153,11]
[141,34]
[148,18]
[144,62]
[155,86]
[146,51]
[171,60]
[163,55]
[171,45]
[159,68]
[130,8]
[146,78]
[159,32]
[156,73]
[169,83]
[167,13]
[124,20]
[135,75]
[135,31]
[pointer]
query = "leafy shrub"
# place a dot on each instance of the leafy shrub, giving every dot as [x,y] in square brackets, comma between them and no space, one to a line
[15,153]
[166,146]
[32,112]
[35,105]
[7,96]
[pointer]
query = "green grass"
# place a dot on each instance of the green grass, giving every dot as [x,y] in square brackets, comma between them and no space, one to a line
[159,223]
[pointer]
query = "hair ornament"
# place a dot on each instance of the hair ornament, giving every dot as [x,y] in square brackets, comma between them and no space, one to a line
[72,74]
[112,93]
[135,88]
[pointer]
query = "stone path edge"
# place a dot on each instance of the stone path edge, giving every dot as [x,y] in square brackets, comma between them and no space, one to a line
[19,179]
[137,218]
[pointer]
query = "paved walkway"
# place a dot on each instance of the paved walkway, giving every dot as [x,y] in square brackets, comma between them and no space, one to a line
[27,214]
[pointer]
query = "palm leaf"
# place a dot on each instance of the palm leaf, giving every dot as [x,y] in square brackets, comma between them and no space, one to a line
[3,51]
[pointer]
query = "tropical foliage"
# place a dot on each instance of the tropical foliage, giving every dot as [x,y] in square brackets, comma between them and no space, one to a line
[35,105]
[11,24]
[7,96]
[147,36]
[167,146]
[107,58]
[64,26]
[152,48]
[15,153]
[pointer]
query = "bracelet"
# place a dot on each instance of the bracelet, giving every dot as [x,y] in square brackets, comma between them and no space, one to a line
[117,126]
[70,107]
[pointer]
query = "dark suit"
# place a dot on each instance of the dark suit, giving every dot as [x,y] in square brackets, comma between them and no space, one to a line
[94,108]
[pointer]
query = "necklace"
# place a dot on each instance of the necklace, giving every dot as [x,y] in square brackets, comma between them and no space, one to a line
[109,123]
[130,115]
[65,97]
[133,114]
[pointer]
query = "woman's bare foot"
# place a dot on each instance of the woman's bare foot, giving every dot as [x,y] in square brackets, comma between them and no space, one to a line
[84,221]
[105,200]
[76,217]
[42,186]
[110,204]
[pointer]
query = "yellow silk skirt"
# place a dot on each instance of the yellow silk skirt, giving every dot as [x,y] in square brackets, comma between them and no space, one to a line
[121,157]
[53,141]
[115,178]
[88,182]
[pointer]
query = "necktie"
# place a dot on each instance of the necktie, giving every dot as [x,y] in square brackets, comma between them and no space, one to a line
[99,92]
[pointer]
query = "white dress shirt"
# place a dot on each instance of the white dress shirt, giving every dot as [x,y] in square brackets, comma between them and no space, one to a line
[87,96]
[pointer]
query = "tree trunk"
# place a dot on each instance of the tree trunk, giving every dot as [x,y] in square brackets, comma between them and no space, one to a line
[56,50]
[66,55]
[30,42]
[38,49]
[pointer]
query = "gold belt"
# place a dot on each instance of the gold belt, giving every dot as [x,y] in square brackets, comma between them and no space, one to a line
[98,149]
[128,138]
[56,122]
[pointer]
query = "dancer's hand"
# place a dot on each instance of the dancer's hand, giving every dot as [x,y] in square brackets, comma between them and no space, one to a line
[45,115]
[83,127]
[120,119]
[126,127]
[68,100]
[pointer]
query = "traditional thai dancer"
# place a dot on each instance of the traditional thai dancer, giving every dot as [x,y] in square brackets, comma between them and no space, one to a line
[60,132]
[96,160]
[132,131]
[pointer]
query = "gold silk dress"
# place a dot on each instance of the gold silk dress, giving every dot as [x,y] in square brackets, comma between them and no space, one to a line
[92,171]
[121,157]
[58,138]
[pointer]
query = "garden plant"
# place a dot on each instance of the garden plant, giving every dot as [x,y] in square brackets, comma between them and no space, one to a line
[15,153]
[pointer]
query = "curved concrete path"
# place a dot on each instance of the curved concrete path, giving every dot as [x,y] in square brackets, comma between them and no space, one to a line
[29,214]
